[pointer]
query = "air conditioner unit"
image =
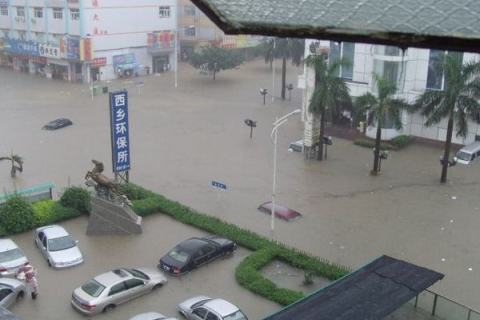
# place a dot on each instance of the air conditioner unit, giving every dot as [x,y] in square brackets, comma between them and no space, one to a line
[34,20]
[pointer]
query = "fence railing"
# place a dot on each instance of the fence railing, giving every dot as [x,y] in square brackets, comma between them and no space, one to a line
[444,308]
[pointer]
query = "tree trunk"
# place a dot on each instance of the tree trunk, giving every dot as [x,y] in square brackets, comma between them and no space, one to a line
[322,133]
[446,154]
[376,155]
[284,73]
[214,72]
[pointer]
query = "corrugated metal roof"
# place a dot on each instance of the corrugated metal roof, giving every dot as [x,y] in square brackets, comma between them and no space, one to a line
[443,24]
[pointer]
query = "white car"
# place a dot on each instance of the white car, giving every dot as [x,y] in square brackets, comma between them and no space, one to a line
[11,290]
[58,247]
[203,307]
[151,316]
[11,258]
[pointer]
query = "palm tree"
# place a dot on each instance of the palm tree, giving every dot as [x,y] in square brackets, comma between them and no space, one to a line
[15,159]
[380,108]
[286,48]
[458,101]
[331,93]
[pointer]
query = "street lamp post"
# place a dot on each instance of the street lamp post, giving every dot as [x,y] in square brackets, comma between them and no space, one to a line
[289,88]
[273,136]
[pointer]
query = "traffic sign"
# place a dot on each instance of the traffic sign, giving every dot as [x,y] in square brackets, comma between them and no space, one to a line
[219,185]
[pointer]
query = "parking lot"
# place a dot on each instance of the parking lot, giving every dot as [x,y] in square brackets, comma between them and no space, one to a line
[184,138]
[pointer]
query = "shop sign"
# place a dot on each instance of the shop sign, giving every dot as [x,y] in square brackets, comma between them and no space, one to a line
[4,2]
[49,51]
[86,49]
[98,62]
[128,58]
[161,40]
[72,1]
[119,131]
[72,46]
[20,56]
[21,47]
[40,60]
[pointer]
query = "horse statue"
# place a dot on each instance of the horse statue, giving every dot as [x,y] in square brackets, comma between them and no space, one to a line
[105,187]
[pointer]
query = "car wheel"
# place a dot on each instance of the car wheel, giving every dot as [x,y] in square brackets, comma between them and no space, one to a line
[158,286]
[109,308]
[20,296]
[49,263]
[182,313]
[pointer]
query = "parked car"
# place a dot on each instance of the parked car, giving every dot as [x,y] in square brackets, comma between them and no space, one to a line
[195,252]
[296,146]
[468,153]
[106,291]
[57,124]
[203,307]
[152,316]
[58,247]
[11,290]
[7,315]
[280,211]
[11,258]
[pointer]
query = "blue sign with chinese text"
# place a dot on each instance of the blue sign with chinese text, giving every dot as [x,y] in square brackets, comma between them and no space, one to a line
[119,127]
[21,47]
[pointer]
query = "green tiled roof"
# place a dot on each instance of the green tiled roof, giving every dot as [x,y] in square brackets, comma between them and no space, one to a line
[447,24]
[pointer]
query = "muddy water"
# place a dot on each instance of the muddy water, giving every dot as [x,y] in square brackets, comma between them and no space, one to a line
[183,139]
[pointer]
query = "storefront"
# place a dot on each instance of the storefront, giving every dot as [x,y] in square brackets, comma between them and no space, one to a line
[96,68]
[160,63]
[20,63]
[39,64]
[57,69]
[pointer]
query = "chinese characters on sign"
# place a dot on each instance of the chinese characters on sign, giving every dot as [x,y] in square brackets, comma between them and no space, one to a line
[119,127]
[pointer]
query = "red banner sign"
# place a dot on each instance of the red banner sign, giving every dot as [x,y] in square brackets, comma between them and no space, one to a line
[98,62]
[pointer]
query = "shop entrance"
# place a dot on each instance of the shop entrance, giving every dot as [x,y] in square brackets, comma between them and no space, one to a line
[160,64]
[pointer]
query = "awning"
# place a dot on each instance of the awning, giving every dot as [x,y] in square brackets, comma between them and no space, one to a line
[370,293]
[448,24]
[128,66]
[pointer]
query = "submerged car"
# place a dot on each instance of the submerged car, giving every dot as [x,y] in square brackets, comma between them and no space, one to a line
[280,211]
[203,307]
[11,290]
[195,252]
[57,124]
[152,316]
[58,247]
[110,289]
[296,146]
[11,258]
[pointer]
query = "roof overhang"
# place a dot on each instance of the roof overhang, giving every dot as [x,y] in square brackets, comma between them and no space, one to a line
[446,25]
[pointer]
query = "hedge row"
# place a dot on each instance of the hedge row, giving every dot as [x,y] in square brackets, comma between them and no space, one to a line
[17,214]
[370,144]
[146,202]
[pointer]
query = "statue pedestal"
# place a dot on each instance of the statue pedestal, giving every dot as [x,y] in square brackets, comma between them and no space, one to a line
[112,218]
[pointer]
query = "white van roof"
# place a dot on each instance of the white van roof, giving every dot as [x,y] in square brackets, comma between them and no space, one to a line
[472,147]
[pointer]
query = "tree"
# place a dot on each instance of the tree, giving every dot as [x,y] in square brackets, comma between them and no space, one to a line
[214,59]
[17,215]
[331,93]
[458,101]
[285,48]
[381,108]
[17,164]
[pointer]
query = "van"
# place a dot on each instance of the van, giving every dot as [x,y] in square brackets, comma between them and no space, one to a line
[469,153]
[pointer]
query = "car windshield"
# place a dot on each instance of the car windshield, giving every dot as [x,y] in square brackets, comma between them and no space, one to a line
[236,316]
[178,254]
[62,243]
[93,288]
[138,274]
[464,156]
[10,255]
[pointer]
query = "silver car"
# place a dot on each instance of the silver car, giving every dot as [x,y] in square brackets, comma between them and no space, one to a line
[11,258]
[106,291]
[11,290]
[58,247]
[203,307]
[151,316]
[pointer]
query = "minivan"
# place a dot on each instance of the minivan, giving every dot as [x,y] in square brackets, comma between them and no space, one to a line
[469,153]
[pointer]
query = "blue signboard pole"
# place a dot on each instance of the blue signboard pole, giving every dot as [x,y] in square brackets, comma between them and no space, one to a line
[119,131]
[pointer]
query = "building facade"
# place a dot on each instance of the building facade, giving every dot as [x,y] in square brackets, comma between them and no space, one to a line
[412,71]
[85,40]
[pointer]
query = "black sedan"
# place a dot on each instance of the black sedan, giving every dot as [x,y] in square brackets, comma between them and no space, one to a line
[57,124]
[194,252]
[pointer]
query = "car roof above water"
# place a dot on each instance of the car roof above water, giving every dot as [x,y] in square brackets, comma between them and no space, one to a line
[7,244]
[111,277]
[54,231]
[222,307]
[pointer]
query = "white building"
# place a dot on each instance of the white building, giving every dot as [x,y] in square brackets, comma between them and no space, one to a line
[80,40]
[412,71]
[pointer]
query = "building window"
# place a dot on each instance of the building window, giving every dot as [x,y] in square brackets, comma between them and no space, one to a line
[38,13]
[435,78]
[189,10]
[4,11]
[22,36]
[21,12]
[190,31]
[57,13]
[164,12]
[342,50]
[75,14]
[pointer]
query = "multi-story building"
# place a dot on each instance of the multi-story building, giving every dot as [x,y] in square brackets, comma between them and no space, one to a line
[80,40]
[412,71]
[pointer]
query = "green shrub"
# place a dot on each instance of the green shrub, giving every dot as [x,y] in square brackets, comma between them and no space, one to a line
[400,141]
[60,213]
[3,232]
[134,192]
[370,144]
[17,215]
[43,212]
[77,198]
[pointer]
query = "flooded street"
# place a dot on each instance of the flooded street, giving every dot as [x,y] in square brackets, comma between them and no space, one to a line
[182,139]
